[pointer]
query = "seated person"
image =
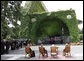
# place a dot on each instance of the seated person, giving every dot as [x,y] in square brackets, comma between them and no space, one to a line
[29,51]
[43,51]
[54,50]
[66,51]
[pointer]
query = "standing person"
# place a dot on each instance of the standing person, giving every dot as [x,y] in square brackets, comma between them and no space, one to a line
[61,41]
[17,44]
[52,41]
[31,44]
[29,41]
[21,44]
[12,45]
[26,42]
[2,47]
[49,41]
[7,46]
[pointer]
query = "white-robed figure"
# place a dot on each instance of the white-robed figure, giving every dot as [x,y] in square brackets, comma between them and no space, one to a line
[54,50]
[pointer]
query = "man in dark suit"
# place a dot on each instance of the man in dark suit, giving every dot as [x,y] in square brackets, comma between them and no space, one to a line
[2,47]
[7,46]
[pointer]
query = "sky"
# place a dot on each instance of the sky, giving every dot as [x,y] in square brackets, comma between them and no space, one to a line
[64,5]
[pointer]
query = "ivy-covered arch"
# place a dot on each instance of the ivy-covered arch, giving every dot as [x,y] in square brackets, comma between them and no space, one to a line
[67,17]
[50,26]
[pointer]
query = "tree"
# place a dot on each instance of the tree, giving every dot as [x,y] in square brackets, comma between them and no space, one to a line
[32,7]
[10,14]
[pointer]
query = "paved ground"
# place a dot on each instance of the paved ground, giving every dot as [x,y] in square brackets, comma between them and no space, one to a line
[76,52]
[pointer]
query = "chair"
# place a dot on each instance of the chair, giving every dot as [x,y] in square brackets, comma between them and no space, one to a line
[28,51]
[66,51]
[54,51]
[42,51]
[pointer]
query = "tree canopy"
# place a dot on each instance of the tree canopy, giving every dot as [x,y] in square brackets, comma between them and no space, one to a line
[32,7]
[10,14]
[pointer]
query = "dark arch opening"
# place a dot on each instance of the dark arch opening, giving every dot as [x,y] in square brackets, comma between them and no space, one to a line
[47,28]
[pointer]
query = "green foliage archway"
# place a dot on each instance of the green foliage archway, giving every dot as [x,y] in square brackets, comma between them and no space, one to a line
[34,23]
